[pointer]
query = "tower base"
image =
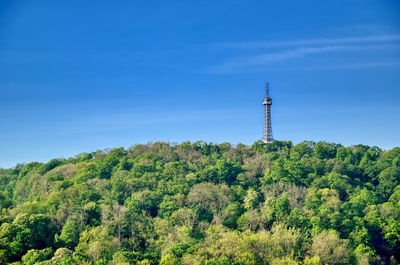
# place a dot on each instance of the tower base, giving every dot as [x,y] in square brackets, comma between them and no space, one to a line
[267,141]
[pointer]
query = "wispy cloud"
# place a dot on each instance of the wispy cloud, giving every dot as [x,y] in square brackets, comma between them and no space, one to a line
[138,119]
[336,66]
[323,41]
[271,53]
[249,62]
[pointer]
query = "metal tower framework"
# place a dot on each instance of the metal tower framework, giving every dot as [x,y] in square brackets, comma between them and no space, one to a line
[267,136]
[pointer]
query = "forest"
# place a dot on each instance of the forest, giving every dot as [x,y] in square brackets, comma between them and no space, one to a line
[204,203]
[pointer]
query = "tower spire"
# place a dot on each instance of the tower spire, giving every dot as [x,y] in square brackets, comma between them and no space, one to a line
[267,135]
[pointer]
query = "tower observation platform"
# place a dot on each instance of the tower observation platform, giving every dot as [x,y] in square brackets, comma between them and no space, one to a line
[267,102]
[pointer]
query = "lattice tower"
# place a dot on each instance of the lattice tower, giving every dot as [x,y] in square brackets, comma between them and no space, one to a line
[267,102]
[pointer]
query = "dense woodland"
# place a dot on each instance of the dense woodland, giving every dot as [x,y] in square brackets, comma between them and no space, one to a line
[200,203]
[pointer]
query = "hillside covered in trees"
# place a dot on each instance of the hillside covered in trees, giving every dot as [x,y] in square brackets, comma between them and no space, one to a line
[200,203]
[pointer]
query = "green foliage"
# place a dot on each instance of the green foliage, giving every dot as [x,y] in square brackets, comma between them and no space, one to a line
[50,165]
[24,233]
[69,236]
[202,203]
[33,256]
[330,248]
[62,256]
[169,260]
[5,201]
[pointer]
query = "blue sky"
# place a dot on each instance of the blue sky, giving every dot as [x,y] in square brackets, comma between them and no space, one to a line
[77,76]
